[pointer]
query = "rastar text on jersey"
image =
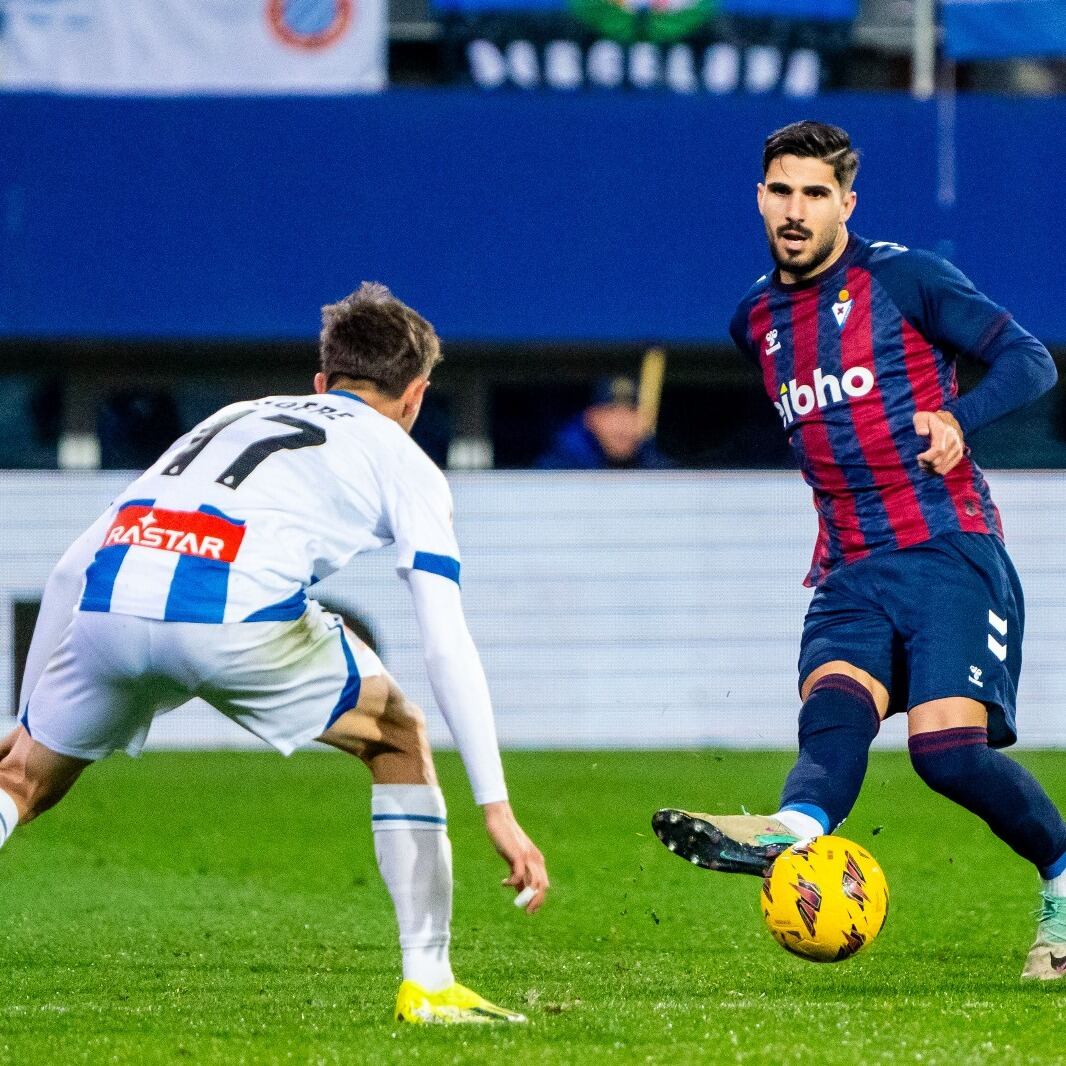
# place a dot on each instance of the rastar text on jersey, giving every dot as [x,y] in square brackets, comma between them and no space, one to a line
[185,532]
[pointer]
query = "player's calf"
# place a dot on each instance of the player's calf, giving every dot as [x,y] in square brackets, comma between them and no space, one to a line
[387,731]
[959,764]
[32,779]
[410,824]
[837,725]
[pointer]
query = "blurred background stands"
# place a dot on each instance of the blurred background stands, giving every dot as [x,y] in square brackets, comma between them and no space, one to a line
[107,385]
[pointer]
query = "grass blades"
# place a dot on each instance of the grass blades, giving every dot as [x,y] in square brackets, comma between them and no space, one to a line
[225,908]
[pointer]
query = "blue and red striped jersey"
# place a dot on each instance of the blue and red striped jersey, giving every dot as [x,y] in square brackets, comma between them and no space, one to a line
[847,358]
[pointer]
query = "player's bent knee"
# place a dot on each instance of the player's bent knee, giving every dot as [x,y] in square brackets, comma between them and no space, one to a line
[838,701]
[33,796]
[405,727]
[841,669]
[9,742]
[35,777]
[954,712]
[405,756]
[374,694]
[948,759]
[410,717]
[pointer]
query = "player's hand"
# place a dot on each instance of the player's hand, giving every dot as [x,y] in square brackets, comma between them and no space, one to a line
[518,851]
[946,445]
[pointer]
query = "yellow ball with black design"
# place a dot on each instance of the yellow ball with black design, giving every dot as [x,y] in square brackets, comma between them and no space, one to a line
[825,899]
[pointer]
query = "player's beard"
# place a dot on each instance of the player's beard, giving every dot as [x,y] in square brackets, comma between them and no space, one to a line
[811,260]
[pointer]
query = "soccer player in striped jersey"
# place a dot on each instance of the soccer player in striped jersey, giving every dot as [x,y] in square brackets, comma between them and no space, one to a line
[194,583]
[916,605]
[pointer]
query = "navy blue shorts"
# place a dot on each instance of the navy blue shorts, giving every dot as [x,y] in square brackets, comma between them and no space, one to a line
[938,619]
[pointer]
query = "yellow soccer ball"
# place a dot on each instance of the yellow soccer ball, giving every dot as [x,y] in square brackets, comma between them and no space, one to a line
[824,899]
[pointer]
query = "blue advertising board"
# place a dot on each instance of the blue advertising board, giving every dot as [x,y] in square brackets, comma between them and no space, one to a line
[1004,29]
[504,218]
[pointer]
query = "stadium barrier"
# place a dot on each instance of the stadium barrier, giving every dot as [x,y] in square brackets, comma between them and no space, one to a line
[610,609]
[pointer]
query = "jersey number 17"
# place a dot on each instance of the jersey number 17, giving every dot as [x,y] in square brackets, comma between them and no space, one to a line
[306,436]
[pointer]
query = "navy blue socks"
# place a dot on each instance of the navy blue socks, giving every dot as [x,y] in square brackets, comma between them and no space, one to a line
[959,764]
[837,725]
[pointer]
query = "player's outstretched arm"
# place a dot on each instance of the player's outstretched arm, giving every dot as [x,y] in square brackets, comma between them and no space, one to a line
[61,594]
[462,693]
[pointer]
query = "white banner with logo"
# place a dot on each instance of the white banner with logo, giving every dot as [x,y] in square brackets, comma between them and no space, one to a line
[194,46]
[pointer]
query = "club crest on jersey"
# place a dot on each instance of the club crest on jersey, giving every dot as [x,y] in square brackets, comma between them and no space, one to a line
[795,400]
[207,536]
[842,308]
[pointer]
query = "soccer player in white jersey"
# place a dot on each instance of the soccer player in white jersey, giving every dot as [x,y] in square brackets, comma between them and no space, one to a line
[193,583]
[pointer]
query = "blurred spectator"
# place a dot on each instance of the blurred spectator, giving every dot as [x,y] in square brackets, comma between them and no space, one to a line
[434,430]
[608,435]
[30,419]
[135,427]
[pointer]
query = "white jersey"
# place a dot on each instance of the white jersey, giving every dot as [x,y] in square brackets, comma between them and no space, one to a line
[260,501]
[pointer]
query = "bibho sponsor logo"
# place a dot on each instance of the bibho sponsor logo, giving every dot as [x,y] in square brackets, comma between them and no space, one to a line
[796,400]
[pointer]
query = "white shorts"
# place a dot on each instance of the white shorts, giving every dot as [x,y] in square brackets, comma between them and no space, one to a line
[286,682]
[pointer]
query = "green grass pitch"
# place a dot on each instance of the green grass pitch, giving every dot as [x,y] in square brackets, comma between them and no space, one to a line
[225,908]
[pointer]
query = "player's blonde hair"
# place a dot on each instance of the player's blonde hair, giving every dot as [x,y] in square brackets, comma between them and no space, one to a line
[371,336]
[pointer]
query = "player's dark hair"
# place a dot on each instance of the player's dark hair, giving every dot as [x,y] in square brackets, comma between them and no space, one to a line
[815,140]
[371,336]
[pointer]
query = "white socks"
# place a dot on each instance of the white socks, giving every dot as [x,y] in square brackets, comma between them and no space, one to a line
[1056,886]
[9,817]
[415,859]
[803,825]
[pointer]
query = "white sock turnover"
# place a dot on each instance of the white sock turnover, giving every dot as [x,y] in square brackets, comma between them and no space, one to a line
[803,825]
[415,859]
[1056,886]
[9,817]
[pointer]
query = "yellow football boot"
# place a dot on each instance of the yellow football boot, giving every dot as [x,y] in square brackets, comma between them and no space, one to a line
[454,1005]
